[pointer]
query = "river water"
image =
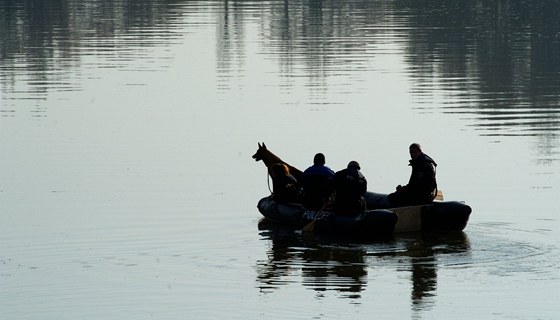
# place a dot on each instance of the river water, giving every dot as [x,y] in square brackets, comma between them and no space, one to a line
[127,188]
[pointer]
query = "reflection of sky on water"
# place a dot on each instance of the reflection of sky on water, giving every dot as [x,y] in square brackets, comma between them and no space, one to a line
[503,73]
[499,65]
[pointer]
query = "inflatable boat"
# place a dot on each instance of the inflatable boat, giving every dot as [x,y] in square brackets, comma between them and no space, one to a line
[378,221]
[364,225]
[435,216]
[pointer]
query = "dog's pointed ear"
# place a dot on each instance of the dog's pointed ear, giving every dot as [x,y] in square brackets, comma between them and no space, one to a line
[259,144]
[264,146]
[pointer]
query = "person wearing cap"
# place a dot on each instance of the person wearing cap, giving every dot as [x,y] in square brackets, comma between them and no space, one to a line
[350,186]
[317,184]
[422,185]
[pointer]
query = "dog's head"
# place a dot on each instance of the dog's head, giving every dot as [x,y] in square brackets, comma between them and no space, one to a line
[260,152]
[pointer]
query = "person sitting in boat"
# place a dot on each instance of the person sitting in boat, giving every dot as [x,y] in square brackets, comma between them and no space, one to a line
[317,182]
[350,185]
[422,186]
[284,186]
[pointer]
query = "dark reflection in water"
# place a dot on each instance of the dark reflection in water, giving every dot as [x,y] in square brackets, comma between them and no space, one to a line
[423,252]
[322,268]
[503,56]
[334,264]
[497,62]
[43,42]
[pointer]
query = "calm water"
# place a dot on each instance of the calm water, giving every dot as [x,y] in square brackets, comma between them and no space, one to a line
[127,188]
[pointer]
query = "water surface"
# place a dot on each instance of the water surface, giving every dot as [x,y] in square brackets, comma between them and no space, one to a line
[127,188]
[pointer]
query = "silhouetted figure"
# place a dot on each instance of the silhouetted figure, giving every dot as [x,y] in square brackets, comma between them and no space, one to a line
[350,185]
[317,184]
[422,186]
[284,185]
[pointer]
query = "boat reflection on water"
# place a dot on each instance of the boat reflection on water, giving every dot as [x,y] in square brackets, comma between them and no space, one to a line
[323,265]
[425,253]
[327,264]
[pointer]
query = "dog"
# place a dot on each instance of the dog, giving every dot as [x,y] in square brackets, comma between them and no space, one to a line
[269,159]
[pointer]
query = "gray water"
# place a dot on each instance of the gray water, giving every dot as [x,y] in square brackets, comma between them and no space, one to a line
[127,188]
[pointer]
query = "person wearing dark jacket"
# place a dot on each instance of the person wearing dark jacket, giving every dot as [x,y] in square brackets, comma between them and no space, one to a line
[350,186]
[284,186]
[422,186]
[317,184]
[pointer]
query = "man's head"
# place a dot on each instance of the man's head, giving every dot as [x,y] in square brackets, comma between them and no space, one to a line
[415,150]
[319,159]
[354,164]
